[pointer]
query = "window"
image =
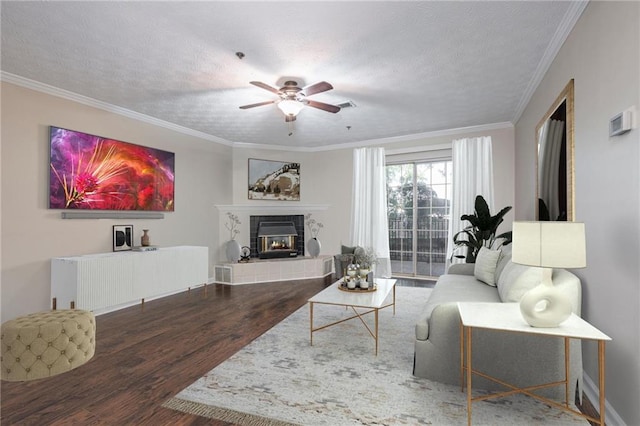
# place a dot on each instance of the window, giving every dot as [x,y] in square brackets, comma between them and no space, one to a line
[419,200]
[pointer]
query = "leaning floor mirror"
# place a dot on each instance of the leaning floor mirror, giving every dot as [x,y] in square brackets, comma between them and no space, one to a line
[555,168]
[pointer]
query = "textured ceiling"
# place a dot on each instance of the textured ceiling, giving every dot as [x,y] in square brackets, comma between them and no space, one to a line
[409,67]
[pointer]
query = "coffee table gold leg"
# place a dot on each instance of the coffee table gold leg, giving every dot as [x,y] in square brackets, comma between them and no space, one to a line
[376,315]
[394,300]
[311,323]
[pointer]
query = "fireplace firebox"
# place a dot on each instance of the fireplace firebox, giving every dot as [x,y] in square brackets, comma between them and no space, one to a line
[277,239]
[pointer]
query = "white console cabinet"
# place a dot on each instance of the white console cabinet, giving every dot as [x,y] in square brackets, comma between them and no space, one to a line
[109,281]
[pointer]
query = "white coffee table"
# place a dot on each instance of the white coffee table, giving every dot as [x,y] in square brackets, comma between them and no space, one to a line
[506,317]
[373,301]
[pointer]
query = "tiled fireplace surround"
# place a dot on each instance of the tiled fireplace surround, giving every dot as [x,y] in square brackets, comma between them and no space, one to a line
[268,270]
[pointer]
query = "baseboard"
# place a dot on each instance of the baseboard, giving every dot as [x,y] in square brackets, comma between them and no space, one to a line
[611,416]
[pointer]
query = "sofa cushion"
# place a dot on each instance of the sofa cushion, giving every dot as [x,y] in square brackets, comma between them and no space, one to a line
[486,262]
[505,258]
[452,289]
[515,280]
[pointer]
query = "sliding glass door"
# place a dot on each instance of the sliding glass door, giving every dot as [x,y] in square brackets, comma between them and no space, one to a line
[419,199]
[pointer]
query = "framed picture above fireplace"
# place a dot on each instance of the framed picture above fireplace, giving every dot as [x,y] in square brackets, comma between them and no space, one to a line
[274,180]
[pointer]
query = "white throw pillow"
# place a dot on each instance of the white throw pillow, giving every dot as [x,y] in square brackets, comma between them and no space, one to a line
[486,262]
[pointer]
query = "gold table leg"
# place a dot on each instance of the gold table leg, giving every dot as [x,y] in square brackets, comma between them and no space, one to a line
[601,379]
[311,323]
[376,337]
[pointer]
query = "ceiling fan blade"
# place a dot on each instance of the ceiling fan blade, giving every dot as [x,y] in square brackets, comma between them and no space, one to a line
[256,105]
[322,106]
[319,87]
[265,87]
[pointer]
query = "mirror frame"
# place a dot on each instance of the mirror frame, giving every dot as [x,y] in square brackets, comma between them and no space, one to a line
[565,95]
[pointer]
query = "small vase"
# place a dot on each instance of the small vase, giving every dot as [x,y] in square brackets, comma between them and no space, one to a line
[313,247]
[144,240]
[233,251]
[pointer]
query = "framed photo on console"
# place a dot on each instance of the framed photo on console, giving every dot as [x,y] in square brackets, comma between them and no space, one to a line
[274,180]
[122,237]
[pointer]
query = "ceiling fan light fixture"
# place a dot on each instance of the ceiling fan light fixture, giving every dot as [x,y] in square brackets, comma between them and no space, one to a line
[290,107]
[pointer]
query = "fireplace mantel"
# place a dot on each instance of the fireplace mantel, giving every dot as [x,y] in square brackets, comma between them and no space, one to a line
[284,206]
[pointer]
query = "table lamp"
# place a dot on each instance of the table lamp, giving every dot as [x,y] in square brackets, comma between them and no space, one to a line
[548,245]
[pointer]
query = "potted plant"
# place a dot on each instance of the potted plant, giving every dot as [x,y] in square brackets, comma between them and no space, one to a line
[482,230]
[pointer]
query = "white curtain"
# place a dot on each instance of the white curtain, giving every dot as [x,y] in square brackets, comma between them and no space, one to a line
[369,226]
[549,149]
[472,175]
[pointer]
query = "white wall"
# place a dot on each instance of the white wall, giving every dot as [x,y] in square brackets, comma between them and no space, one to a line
[602,54]
[326,179]
[32,234]
[325,193]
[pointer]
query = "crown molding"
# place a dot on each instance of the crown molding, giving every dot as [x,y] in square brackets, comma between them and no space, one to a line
[414,149]
[85,100]
[382,141]
[564,29]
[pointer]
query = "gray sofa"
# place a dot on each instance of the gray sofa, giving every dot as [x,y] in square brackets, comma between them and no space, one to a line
[518,359]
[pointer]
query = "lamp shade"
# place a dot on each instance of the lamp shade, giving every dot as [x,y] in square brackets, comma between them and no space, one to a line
[290,107]
[549,244]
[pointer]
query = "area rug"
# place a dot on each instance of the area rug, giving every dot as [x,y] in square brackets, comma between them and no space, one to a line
[279,379]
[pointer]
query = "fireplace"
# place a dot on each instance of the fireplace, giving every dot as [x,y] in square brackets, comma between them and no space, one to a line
[277,239]
[273,236]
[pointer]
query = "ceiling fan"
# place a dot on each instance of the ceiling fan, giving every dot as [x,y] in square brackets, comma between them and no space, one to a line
[293,98]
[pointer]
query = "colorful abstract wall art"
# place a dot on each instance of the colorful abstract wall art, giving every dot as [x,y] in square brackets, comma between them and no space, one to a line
[96,173]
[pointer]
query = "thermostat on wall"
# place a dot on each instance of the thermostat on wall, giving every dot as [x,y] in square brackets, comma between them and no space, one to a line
[620,123]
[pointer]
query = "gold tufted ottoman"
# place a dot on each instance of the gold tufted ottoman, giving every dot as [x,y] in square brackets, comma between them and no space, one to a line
[44,344]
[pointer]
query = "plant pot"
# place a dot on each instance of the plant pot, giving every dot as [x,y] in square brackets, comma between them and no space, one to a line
[233,251]
[313,247]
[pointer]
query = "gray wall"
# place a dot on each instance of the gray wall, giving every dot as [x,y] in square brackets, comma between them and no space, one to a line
[602,54]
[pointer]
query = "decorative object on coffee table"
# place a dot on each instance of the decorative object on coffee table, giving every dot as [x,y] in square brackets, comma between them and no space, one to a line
[548,245]
[356,285]
[232,247]
[366,258]
[144,240]
[313,244]
[122,237]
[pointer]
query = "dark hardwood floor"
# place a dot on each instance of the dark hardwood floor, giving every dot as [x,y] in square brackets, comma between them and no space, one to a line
[145,356]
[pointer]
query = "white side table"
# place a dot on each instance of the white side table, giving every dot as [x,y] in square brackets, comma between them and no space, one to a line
[507,317]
